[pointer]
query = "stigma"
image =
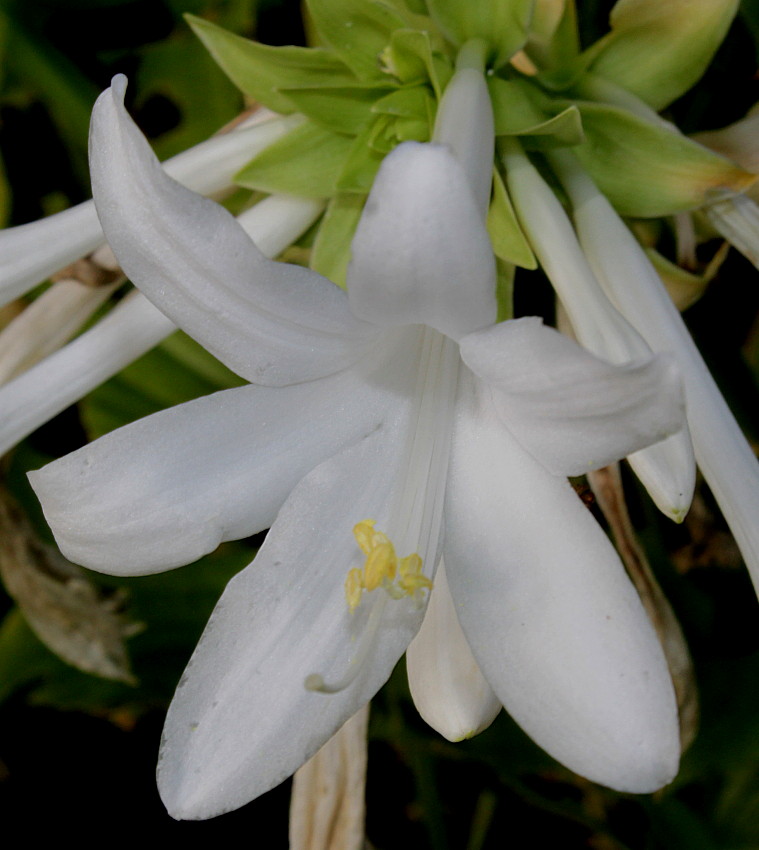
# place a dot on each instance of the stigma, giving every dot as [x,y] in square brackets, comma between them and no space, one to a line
[383,569]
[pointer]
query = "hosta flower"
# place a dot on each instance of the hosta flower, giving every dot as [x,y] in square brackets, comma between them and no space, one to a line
[383,430]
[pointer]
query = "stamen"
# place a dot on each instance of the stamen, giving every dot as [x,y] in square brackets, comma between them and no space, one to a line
[381,568]
[415,514]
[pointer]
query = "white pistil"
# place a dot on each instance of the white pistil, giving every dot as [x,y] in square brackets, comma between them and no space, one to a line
[415,516]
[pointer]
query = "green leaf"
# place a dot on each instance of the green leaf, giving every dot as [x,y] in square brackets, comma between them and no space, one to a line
[307,161]
[358,31]
[509,243]
[503,24]
[412,59]
[260,70]
[332,248]
[648,170]
[554,39]
[564,129]
[519,109]
[410,102]
[341,110]
[362,163]
[659,50]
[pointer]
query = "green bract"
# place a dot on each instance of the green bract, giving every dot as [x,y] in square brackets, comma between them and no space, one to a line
[380,69]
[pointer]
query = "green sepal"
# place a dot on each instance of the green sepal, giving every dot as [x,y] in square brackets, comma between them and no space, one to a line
[409,102]
[554,40]
[412,58]
[504,289]
[519,109]
[648,170]
[332,249]
[509,242]
[362,162]
[658,50]
[412,130]
[341,110]
[358,31]
[261,71]
[502,24]
[306,162]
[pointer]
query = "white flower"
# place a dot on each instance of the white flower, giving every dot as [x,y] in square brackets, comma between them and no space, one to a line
[629,279]
[364,437]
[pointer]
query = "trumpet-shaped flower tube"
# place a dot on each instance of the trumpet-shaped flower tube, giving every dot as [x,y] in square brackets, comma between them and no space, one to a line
[723,454]
[378,446]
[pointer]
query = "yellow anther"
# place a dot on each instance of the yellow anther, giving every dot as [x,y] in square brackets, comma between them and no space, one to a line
[364,532]
[354,587]
[412,579]
[381,565]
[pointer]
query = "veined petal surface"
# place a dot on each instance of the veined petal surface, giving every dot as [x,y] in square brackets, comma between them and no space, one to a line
[272,323]
[421,253]
[169,488]
[447,685]
[571,410]
[242,720]
[551,617]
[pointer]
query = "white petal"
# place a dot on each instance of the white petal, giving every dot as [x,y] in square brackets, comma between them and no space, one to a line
[572,411]
[169,488]
[551,617]
[668,471]
[421,253]
[447,686]
[241,720]
[464,122]
[128,331]
[727,461]
[31,252]
[134,327]
[48,323]
[270,322]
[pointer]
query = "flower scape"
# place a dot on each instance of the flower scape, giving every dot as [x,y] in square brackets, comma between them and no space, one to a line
[407,442]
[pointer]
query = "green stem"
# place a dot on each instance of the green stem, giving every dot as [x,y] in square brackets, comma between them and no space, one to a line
[473,54]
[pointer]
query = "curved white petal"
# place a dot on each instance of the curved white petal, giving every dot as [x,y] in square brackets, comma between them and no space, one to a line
[50,386]
[421,253]
[447,686]
[169,488]
[667,470]
[551,617]
[572,411]
[270,322]
[31,252]
[133,328]
[726,459]
[242,720]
